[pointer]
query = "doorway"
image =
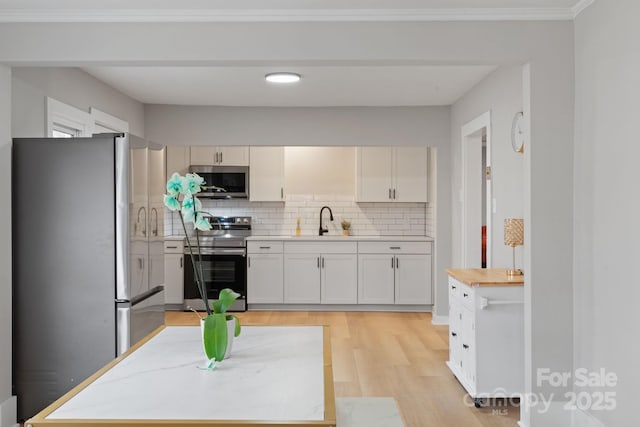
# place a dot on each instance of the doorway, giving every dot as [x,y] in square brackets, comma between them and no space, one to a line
[477,206]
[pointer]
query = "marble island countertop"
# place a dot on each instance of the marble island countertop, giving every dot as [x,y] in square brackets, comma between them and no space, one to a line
[275,374]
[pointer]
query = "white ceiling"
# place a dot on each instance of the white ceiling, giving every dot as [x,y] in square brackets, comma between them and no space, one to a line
[371,85]
[320,86]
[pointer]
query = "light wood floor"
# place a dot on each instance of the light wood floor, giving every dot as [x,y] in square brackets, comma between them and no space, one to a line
[401,355]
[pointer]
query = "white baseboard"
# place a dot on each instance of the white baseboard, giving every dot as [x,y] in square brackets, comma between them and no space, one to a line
[585,419]
[439,320]
[9,412]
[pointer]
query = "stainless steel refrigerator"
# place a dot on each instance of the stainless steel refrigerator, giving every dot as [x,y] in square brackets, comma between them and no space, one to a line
[88,262]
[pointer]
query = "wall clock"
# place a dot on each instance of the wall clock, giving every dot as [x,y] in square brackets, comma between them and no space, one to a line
[517,132]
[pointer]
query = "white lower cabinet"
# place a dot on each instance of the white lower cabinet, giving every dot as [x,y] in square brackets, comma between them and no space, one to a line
[413,279]
[394,273]
[265,273]
[173,272]
[320,272]
[339,272]
[376,277]
[302,278]
[486,345]
[339,275]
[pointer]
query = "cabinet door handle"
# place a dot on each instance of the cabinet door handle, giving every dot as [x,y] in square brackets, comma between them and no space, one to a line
[318,261]
[248,262]
[282,192]
[322,262]
[397,248]
[465,346]
[265,247]
[181,262]
[394,194]
[389,193]
[465,295]
[216,159]
[453,287]
[453,334]
[172,247]
[397,262]
[221,157]
[392,262]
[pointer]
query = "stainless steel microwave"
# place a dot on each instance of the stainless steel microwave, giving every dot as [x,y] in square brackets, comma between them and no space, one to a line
[223,182]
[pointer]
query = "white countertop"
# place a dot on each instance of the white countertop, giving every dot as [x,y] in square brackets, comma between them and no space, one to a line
[341,238]
[274,373]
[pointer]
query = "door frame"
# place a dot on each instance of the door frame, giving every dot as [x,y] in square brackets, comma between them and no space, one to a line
[468,130]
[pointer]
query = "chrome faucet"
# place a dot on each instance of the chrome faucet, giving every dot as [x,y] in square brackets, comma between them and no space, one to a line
[321,231]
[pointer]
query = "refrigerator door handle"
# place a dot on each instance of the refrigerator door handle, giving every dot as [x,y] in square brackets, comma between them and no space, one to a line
[146,295]
[123,329]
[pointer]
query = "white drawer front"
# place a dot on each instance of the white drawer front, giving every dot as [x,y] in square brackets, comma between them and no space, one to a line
[173,246]
[454,289]
[466,294]
[264,246]
[321,247]
[391,247]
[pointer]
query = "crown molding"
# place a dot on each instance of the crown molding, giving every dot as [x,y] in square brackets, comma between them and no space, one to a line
[290,15]
[580,6]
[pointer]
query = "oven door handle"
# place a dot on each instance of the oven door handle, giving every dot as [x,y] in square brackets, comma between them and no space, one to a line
[221,251]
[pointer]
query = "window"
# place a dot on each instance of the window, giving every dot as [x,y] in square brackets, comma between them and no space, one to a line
[65,121]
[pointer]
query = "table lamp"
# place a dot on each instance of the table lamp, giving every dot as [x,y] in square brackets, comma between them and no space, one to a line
[514,236]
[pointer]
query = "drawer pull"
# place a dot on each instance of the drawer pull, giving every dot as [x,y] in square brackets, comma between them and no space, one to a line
[465,346]
[453,334]
[172,247]
[453,287]
[395,247]
[465,295]
[265,247]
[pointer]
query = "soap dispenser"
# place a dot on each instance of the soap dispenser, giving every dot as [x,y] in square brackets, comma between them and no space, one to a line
[298,230]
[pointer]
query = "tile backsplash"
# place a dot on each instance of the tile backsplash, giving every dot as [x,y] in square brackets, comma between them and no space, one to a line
[277,218]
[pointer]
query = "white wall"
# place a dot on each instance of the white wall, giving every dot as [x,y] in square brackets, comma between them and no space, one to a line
[194,125]
[6,412]
[500,93]
[607,205]
[71,86]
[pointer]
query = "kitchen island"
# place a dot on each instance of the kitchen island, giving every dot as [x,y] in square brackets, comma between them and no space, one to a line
[276,376]
[486,332]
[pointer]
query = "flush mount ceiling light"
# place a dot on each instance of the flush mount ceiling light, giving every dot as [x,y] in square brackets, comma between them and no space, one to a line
[282,77]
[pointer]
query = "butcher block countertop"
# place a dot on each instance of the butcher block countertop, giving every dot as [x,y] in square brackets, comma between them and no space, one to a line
[485,277]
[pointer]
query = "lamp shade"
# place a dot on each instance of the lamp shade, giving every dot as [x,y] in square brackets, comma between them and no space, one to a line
[514,232]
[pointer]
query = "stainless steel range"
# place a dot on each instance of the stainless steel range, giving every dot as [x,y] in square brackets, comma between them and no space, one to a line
[223,252]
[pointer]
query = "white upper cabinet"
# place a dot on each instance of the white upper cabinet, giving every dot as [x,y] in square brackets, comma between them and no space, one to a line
[177,160]
[220,156]
[373,174]
[266,174]
[391,174]
[410,174]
